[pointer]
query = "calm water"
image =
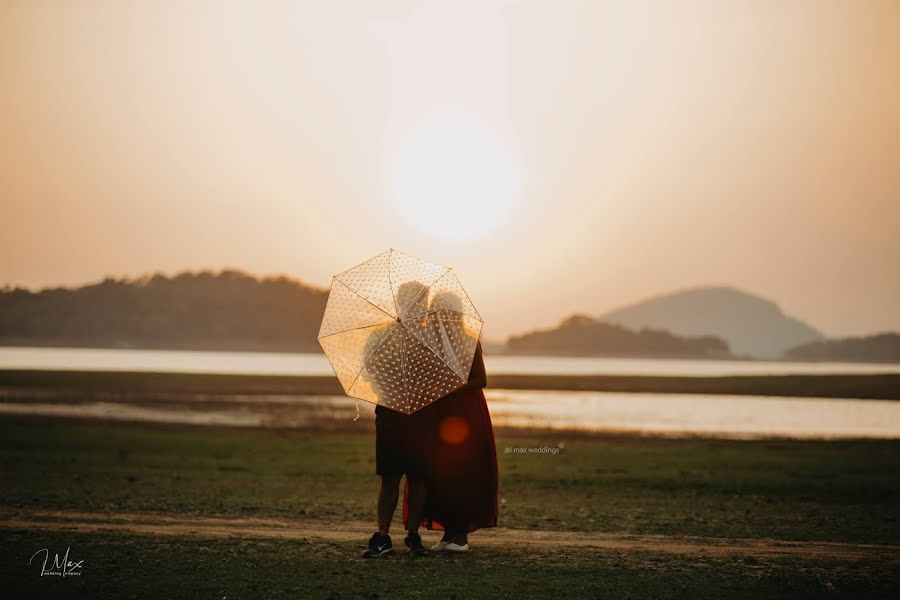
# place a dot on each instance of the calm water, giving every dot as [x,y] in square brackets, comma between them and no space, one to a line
[272,363]
[657,414]
[742,417]
[708,415]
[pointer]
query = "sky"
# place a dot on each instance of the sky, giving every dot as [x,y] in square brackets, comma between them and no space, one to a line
[561,156]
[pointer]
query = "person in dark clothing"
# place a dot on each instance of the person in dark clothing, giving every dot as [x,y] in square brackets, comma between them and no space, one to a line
[399,439]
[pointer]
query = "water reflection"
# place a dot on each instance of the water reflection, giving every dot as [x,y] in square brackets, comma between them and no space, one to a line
[694,414]
[656,414]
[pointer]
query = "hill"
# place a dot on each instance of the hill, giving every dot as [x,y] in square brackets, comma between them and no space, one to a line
[883,347]
[229,310]
[752,326]
[580,335]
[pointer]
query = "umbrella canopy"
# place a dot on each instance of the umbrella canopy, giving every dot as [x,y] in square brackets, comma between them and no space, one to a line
[399,331]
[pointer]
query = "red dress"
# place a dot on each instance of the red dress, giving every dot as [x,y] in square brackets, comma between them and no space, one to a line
[461,477]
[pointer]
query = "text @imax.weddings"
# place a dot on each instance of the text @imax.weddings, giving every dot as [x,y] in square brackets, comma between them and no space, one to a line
[535,449]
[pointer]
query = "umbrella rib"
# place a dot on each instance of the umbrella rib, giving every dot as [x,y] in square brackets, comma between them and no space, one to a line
[441,358]
[472,304]
[363,297]
[368,260]
[322,337]
[374,350]
[477,315]
[426,288]
[434,310]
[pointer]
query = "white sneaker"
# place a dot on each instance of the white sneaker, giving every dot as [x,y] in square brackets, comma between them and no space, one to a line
[443,546]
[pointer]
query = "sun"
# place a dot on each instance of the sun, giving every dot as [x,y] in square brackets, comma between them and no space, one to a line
[451,178]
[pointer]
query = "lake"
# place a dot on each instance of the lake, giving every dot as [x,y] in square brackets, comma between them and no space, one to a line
[738,417]
[652,414]
[674,415]
[275,363]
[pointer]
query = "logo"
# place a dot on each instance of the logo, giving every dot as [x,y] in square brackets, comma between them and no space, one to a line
[62,568]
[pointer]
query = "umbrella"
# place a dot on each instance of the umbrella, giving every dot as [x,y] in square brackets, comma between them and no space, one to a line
[399,331]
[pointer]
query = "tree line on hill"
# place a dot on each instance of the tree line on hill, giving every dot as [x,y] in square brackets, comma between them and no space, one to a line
[580,335]
[232,310]
[881,347]
[229,310]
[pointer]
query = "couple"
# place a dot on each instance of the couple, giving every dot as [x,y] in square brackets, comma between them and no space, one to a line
[446,449]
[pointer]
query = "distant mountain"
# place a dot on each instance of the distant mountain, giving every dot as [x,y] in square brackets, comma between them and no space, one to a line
[229,310]
[883,347]
[580,335]
[751,325]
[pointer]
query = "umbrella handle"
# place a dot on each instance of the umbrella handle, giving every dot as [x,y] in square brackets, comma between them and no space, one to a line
[357,410]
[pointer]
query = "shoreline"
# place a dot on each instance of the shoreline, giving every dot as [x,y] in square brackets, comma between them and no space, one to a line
[366,427]
[269,349]
[862,386]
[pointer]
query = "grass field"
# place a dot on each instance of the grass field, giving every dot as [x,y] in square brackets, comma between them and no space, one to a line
[118,566]
[839,491]
[834,491]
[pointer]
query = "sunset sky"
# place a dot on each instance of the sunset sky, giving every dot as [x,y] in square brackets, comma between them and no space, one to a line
[561,156]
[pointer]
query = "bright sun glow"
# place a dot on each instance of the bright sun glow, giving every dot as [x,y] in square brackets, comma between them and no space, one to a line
[452,179]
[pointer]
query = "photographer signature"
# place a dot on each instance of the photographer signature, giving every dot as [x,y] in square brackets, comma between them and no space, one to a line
[63,568]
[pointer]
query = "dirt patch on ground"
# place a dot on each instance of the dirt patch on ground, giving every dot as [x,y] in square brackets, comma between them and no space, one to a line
[343,531]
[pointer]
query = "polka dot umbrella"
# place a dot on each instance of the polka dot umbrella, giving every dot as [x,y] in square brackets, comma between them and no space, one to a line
[399,331]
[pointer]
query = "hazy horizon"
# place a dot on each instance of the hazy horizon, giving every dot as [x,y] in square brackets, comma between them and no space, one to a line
[561,161]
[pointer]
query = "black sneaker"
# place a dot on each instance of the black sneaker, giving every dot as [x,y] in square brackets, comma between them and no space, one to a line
[413,541]
[379,545]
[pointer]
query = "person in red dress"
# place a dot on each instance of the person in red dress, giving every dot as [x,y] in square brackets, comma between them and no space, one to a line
[461,456]
[461,474]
